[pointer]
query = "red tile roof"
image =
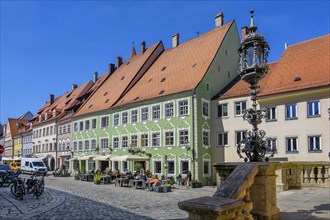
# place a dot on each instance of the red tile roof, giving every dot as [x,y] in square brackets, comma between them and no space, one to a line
[119,81]
[178,69]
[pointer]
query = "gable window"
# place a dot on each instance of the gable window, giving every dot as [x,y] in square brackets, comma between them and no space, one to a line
[240,135]
[156,139]
[144,114]
[183,108]
[81,126]
[116,143]
[86,145]
[105,122]
[291,144]
[124,141]
[206,138]
[272,144]
[87,125]
[169,138]
[291,112]
[124,118]
[313,109]
[223,139]
[222,110]
[93,144]
[75,126]
[169,110]
[94,123]
[240,107]
[314,143]
[116,119]
[144,140]
[134,116]
[134,141]
[183,137]
[156,112]
[205,109]
[158,167]
[271,114]
[104,143]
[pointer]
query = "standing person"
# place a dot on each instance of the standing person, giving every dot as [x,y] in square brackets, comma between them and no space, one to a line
[188,179]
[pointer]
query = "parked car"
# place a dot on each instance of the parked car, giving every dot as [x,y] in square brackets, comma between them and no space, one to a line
[15,165]
[5,168]
[33,165]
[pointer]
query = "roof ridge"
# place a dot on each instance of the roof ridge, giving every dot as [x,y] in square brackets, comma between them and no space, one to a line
[308,40]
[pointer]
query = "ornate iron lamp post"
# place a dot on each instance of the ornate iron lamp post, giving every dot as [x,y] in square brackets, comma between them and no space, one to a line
[253,54]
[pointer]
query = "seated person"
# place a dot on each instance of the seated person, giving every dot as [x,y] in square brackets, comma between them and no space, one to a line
[179,179]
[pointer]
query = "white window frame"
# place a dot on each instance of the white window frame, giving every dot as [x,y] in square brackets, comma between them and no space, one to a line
[87,122]
[169,109]
[131,141]
[93,127]
[223,134]
[102,143]
[242,135]
[124,119]
[205,108]
[315,149]
[272,114]
[206,131]
[291,107]
[241,107]
[156,112]
[133,116]
[313,114]
[222,105]
[172,137]
[158,137]
[93,147]
[144,115]
[272,141]
[209,168]
[291,142]
[116,119]
[87,141]
[115,142]
[122,141]
[106,122]
[146,140]
[186,137]
[161,167]
[184,108]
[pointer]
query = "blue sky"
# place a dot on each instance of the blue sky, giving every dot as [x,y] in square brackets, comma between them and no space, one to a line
[48,46]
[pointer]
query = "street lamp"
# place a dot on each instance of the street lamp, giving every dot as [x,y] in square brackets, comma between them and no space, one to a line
[253,53]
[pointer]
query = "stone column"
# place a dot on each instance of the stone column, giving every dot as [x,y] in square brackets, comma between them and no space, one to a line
[263,192]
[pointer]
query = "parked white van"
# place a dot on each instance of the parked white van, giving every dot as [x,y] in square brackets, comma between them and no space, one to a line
[33,165]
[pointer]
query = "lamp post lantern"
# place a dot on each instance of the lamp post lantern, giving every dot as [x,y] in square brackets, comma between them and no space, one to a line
[253,53]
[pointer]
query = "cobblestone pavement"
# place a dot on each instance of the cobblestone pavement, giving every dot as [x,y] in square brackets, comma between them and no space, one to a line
[65,198]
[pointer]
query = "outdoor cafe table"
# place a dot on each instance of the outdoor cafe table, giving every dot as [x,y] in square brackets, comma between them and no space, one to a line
[136,182]
[119,181]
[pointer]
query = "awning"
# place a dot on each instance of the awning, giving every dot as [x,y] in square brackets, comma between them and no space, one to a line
[130,158]
[107,157]
[90,157]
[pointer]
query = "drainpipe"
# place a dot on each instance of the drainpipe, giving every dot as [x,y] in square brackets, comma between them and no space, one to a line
[195,131]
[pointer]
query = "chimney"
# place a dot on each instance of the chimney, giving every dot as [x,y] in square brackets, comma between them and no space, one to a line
[286,46]
[219,20]
[244,31]
[51,99]
[111,68]
[95,76]
[143,46]
[175,40]
[74,86]
[119,61]
[133,52]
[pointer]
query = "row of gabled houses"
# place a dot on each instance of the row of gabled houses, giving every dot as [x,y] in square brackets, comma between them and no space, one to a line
[179,109]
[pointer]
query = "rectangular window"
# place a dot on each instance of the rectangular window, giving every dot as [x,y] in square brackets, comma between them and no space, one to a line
[144,140]
[104,143]
[239,108]
[222,110]
[169,110]
[105,122]
[314,143]
[124,141]
[240,135]
[115,120]
[81,127]
[93,144]
[94,123]
[183,137]
[292,144]
[156,139]
[75,126]
[116,165]
[75,146]
[144,114]
[115,142]
[206,138]
[205,109]
[124,165]
[313,109]
[60,130]
[87,125]
[158,167]
[64,128]
[206,167]
[86,145]
[156,112]
[184,166]
[271,144]
[170,167]
[169,138]
[68,129]
[47,131]
[183,108]
[223,139]
[80,145]
[291,112]
[134,139]
[271,115]
[124,118]
[134,116]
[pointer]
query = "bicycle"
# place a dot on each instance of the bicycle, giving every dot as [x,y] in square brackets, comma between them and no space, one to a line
[6,179]
[18,187]
[35,184]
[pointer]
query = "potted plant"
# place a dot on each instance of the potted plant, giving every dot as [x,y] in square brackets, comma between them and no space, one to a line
[196,184]
[166,187]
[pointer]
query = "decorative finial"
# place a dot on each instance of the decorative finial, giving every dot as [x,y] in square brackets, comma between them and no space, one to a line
[252,21]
